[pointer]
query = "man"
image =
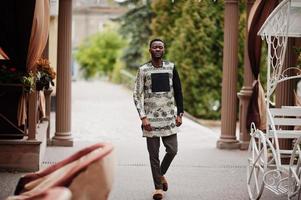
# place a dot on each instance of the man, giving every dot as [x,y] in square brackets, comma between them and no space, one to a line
[159,101]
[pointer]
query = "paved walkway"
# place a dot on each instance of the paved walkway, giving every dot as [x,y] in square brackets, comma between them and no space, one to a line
[105,112]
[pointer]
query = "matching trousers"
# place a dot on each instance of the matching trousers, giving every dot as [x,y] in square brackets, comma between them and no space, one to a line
[153,146]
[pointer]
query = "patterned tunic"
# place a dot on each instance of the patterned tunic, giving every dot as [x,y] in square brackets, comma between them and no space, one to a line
[158,96]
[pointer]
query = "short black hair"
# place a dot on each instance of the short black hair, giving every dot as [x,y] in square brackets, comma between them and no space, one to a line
[155,40]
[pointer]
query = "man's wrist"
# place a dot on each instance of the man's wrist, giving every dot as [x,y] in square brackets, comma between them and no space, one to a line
[180,114]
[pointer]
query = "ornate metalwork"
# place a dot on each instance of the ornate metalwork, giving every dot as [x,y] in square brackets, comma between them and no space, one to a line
[274,180]
[265,157]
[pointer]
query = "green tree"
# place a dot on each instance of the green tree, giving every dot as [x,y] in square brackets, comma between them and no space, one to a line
[165,12]
[197,48]
[99,53]
[135,26]
[193,32]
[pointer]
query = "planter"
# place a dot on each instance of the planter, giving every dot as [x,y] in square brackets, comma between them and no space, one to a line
[9,99]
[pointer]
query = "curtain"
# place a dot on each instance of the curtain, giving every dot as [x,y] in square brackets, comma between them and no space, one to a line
[39,33]
[37,43]
[258,14]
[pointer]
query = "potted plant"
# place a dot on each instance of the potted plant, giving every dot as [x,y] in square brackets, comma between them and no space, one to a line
[14,84]
[45,75]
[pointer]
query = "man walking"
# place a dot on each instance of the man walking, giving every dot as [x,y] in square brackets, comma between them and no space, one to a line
[159,101]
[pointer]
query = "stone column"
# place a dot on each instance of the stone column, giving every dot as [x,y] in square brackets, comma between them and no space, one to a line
[47,94]
[246,91]
[62,135]
[285,90]
[33,115]
[229,99]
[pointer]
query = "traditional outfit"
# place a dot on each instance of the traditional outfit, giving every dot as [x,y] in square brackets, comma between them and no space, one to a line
[158,97]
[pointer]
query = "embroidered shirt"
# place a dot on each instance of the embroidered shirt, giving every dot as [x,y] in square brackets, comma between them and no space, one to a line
[158,96]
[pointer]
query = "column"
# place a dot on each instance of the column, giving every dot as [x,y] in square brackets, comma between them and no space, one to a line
[47,94]
[63,135]
[228,127]
[246,91]
[33,115]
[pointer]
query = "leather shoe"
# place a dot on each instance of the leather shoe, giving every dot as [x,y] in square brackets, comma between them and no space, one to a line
[164,183]
[158,195]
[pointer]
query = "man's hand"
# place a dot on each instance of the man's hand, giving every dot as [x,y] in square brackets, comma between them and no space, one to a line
[178,121]
[146,125]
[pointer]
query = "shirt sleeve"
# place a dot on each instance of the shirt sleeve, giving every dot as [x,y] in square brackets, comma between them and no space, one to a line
[139,93]
[177,91]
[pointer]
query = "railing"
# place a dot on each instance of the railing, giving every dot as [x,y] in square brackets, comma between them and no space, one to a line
[9,101]
[19,112]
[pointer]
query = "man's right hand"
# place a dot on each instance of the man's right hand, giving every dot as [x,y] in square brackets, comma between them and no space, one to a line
[146,125]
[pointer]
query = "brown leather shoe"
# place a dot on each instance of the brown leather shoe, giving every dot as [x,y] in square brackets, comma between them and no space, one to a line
[164,183]
[158,195]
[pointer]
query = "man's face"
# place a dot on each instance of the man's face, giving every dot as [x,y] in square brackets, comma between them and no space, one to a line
[157,49]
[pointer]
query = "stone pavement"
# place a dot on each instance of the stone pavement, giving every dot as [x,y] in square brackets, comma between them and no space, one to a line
[102,111]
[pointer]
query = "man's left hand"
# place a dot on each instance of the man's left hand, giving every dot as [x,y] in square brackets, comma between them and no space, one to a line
[178,121]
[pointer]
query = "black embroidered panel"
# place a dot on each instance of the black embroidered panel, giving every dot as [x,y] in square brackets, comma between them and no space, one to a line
[160,82]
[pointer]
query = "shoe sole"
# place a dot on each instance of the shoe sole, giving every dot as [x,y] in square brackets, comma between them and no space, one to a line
[157,197]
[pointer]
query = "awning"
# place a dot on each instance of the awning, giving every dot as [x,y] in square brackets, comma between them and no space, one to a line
[284,20]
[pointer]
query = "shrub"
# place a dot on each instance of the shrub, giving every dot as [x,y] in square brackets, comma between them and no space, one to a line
[99,53]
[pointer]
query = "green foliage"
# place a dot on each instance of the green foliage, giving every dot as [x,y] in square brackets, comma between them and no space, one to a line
[263,65]
[193,33]
[99,53]
[116,74]
[135,26]
[40,80]
[163,24]
[28,82]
